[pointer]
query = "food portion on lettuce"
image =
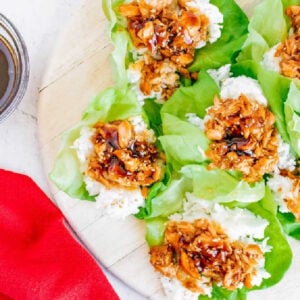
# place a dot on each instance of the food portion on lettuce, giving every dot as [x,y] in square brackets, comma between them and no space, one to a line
[286,188]
[119,161]
[203,249]
[275,43]
[165,35]
[240,129]
[243,137]
[236,132]
[160,44]
[113,158]
[284,57]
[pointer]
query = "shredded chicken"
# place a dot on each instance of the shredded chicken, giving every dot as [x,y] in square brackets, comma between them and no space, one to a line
[123,158]
[166,31]
[293,12]
[200,252]
[289,50]
[157,76]
[171,31]
[243,137]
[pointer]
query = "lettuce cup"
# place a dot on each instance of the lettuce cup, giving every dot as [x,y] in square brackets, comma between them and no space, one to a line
[274,44]
[110,156]
[208,250]
[238,132]
[159,44]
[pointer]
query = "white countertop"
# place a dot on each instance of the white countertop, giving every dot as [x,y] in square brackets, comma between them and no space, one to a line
[40,22]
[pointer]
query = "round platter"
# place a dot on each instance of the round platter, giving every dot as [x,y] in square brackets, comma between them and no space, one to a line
[77,71]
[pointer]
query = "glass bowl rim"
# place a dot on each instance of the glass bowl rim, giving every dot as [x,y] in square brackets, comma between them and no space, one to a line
[18,44]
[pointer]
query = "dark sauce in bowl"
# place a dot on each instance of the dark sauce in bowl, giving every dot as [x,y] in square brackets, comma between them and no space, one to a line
[7,69]
[14,67]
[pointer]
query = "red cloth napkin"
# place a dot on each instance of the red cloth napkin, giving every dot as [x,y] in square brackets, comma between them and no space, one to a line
[39,256]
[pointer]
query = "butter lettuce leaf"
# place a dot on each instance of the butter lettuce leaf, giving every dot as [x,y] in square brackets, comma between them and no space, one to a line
[277,260]
[219,293]
[192,99]
[292,116]
[225,49]
[183,143]
[283,96]
[120,39]
[222,186]
[111,104]
[290,226]
[267,27]
[215,185]
[275,88]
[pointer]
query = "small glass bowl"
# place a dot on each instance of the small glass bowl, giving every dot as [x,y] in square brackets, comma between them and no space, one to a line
[14,43]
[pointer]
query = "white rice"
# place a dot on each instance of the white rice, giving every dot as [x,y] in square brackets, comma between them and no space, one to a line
[140,126]
[84,146]
[193,119]
[233,87]
[214,16]
[219,75]
[115,202]
[239,224]
[286,159]
[134,77]
[270,62]
[175,291]
[250,226]
[282,187]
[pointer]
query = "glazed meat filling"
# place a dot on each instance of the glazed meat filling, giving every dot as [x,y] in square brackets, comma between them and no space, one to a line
[157,76]
[243,137]
[170,31]
[289,50]
[201,252]
[123,158]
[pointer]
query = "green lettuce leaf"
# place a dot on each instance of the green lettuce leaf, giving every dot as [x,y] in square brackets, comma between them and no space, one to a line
[182,142]
[66,173]
[155,231]
[170,200]
[277,261]
[289,224]
[119,59]
[192,99]
[221,186]
[215,185]
[120,39]
[292,116]
[219,293]
[267,27]
[152,111]
[283,96]
[109,105]
[225,49]
[275,88]
[280,257]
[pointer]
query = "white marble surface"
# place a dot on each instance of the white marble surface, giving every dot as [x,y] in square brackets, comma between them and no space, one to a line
[40,22]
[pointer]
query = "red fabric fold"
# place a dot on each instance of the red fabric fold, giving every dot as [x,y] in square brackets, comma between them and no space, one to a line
[39,257]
